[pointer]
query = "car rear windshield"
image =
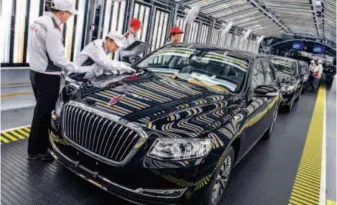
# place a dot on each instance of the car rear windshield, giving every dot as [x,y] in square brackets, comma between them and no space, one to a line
[219,70]
[284,65]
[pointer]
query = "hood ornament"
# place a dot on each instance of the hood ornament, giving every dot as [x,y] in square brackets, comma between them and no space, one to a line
[116,99]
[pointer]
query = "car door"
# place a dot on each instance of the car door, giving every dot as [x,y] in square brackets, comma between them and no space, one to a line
[270,102]
[255,107]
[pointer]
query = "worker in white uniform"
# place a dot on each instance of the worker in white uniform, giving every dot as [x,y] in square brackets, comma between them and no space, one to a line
[130,37]
[317,75]
[47,61]
[96,56]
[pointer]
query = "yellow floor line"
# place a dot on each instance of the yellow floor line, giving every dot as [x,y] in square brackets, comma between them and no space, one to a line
[311,159]
[8,136]
[24,133]
[4,140]
[18,135]
[15,94]
[329,202]
[15,134]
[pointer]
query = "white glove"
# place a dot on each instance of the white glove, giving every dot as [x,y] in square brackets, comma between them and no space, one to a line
[126,69]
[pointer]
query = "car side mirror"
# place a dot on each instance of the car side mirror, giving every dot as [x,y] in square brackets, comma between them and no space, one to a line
[266,91]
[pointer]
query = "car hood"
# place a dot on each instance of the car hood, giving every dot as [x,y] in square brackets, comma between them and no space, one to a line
[162,104]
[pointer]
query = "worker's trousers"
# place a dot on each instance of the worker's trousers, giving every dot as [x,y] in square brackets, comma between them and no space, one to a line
[315,83]
[46,90]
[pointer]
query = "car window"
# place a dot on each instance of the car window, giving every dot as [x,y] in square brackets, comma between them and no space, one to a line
[269,76]
[257,75]
[285,65]
[219,70]
[303,67]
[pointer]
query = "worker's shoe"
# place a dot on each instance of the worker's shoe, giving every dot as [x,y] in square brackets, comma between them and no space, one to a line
[43,157]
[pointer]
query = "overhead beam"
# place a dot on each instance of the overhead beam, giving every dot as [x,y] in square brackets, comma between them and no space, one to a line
[257,4]
[317,6]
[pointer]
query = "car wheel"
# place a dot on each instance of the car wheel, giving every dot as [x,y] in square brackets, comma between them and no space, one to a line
[214,192]
[269,132]
[299,95]
[287,108]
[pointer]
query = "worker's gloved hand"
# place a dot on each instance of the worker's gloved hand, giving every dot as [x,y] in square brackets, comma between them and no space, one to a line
[126,70]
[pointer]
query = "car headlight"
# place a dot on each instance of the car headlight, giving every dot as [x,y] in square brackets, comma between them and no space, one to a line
[58,106]
[290,88]
[179,149]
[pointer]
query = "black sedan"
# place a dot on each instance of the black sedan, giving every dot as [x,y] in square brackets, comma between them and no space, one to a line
[288,74]
[171,133]
[304,73]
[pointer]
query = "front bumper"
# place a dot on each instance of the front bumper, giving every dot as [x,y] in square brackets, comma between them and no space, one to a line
[287,98]
[135,195]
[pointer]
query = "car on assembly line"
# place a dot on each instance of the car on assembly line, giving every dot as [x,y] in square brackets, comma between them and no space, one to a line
[304,73]
[289,76]
[172,132]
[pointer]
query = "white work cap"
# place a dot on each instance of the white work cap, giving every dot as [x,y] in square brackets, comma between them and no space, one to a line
[63,5]
[118,39]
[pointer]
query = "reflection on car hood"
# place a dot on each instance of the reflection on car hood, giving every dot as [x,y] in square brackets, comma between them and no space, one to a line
[163,104]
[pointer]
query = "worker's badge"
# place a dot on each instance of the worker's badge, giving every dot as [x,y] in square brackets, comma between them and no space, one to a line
[116,99]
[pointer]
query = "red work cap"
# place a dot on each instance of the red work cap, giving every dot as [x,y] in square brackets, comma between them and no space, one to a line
[176,30]
[135,23]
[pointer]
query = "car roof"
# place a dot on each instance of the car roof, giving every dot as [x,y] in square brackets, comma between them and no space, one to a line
[232,51]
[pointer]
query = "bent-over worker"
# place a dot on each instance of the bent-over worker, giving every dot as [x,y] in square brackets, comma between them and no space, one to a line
[95,55]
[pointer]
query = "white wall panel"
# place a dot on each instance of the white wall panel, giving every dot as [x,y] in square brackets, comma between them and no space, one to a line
[215,36]
[142,13]
[19,33]
[5,36]
[193,32]
[79,27]
[229,39]
[181,23]
[159,35]
[203,34]
[107,16]
[33,15]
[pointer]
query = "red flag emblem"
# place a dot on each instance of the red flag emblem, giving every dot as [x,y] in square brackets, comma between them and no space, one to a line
[114,100]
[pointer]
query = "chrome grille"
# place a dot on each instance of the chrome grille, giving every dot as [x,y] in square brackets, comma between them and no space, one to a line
[99,134]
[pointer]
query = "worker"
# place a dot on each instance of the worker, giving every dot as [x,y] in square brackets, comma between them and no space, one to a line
[175,35]
[312,65]
[47,61]
[317,75]
[95,55]
[130,37]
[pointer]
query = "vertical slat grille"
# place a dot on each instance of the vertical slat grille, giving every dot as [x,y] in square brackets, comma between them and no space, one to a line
[98,134]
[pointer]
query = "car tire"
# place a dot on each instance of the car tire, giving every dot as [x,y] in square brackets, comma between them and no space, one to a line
[214,192]
[299,95]
[288,108]
[269,132]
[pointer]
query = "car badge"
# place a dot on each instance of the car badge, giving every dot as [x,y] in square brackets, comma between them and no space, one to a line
[132,78]
[238,117]
[115,100]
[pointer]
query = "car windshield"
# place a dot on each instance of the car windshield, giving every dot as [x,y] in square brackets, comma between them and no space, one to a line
[218,70]
[284,65]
